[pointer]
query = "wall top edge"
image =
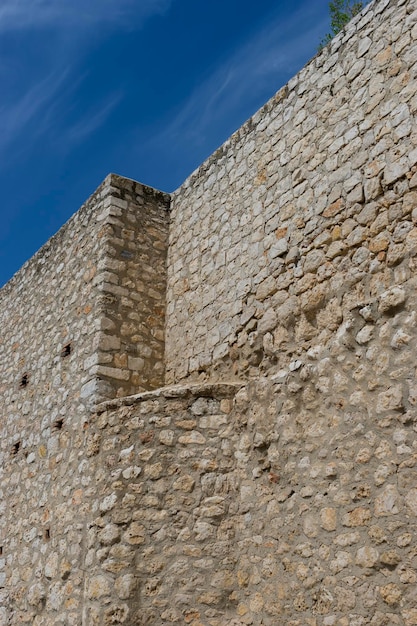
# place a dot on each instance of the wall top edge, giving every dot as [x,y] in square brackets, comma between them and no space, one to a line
[114,180]
[107,187]
[55,239]
[375,6]
[190,390]
[123,182]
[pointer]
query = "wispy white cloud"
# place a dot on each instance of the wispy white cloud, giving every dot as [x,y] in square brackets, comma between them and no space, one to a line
[39,102]
[42,112]
[252,73]
[16,115]
[92,120]
[22,14]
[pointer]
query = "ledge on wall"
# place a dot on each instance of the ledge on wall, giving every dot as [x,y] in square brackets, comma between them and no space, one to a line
[219,390]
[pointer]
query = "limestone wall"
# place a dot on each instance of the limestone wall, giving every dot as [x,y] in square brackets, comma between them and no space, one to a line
[159,541]
[132,283]
[78,323]
[305,212]
[289,500]
[287,496]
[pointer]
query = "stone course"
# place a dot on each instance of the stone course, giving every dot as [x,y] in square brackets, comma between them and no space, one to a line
[273,480]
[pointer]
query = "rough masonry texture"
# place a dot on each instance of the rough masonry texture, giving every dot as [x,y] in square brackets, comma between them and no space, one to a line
[209,408]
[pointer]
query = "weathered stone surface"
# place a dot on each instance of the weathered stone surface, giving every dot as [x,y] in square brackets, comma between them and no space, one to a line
[328,519]
[367,556]
[98,587]
[346,212]
[387,502]
[289,497]
[411,501]
[392,298]
[391,399]
[68,320]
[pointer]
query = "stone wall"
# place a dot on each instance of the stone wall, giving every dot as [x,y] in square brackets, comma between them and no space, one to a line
[289,498]
[132,282]
[158,540]
[305,212]
[292,499]
[281,486]
[78,323]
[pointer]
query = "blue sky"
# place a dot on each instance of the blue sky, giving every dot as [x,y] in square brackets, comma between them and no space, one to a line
[143,88]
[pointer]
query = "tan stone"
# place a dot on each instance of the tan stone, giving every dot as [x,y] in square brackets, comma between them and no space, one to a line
[120,360]
[184,483]
[334,208]
[125,586]
[359,516]
[391,299]
[328,517]
[409,616]
[109,535]
[167,437]
[194,437]
[367,556]
[109,342]
[387,503]
[154,471]
[391,558]
[379,243]
[390,400]
[411,501]
[98,587]
[112,372]
[391,594]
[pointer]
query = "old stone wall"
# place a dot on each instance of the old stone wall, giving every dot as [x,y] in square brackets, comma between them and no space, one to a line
[305,212]
[277,484]
[291,499]
[132,279]
[72,331]
[158,542]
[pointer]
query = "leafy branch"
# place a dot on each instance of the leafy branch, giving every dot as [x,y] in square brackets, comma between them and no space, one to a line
[341,12]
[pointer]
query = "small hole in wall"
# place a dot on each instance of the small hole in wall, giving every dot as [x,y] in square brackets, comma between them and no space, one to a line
[1,550]
[58,424]
[24,381]
[66,351]
[47,534]
[15,448]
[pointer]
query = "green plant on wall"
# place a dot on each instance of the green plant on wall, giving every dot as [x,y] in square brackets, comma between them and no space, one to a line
[341,12]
